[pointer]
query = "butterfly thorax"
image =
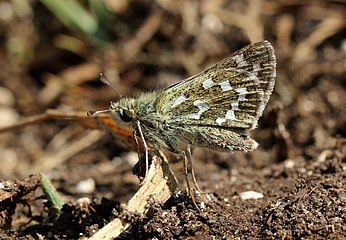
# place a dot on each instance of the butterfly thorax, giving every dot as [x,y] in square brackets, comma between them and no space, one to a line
[142,110]
[154,125]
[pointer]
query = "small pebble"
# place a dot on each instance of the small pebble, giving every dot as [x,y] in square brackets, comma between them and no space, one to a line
[86,186]
[250,195]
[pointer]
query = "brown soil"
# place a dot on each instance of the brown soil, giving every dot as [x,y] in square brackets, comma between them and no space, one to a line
[299,168]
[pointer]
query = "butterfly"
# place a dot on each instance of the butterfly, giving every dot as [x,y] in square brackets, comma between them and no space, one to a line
[214,109]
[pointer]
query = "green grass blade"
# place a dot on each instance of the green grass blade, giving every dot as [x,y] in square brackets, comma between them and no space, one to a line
[51,193]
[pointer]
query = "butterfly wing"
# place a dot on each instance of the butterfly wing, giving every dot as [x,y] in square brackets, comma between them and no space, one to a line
[230,94]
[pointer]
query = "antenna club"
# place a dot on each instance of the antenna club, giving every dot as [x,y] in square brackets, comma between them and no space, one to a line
[105,81]
[92,113]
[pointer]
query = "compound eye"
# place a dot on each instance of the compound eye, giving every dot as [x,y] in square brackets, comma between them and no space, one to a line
[125,116]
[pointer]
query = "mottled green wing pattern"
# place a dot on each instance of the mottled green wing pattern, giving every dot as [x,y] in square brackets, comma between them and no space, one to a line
[229,94]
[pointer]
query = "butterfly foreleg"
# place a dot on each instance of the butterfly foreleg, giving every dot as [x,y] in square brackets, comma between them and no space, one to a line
[146,149]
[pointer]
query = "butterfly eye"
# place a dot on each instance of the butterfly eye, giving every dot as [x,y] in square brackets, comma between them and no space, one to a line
[125,116]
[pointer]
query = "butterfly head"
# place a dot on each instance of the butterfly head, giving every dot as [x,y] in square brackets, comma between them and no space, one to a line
[123,110]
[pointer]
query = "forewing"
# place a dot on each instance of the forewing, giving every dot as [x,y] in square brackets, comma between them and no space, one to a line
[231,94]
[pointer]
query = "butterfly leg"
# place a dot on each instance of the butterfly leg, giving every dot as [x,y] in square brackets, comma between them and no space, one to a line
[186,172]
[188,168]
[146,149]
[189,158]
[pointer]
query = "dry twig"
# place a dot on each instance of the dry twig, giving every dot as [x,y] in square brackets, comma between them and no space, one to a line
[159,184]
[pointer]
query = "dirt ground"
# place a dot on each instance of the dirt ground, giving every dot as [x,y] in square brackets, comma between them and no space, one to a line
[50,60]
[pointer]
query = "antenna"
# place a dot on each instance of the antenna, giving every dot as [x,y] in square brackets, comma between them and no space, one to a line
[105,81]
[92,113]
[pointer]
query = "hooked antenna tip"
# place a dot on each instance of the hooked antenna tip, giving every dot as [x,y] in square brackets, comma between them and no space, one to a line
[104,80]
[92,113]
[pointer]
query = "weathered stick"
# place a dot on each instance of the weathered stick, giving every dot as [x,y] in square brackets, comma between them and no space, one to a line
[159,184]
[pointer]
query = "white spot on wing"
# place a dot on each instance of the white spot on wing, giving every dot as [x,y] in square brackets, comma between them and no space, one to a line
[253,77]
[230,114]
[239,59]
[178,101]
[208,83]
[256,68]
[225,86]
[202,108]
[242,93]
[220,121]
